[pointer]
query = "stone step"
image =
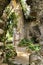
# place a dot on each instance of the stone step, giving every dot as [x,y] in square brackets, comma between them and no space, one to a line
[13,62]
[4,64]
[20,60]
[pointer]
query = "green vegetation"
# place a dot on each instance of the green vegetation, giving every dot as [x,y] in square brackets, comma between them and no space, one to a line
[24,42]
[29,44]
[10,52]
[33,47]
[11,22]
[25,8]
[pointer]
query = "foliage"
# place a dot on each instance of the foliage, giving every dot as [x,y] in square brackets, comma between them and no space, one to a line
[11,22]
[29,44]
[25,42]
[2,38]
[8,10]
[25,8]
[10,52]
[33,47]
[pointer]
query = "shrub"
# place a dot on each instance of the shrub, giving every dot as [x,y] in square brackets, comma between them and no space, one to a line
[26,8]
[10,52]
[29,44]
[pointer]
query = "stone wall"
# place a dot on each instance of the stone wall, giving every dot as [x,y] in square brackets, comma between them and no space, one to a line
[36,11]
[33,27]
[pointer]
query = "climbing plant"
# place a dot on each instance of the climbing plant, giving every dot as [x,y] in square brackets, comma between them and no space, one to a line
[10,23]
[26,8]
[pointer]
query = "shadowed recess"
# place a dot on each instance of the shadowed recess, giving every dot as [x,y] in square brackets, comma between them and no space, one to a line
[3,4]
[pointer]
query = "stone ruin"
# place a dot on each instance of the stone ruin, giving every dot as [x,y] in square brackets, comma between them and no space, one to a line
[36,58]
[32,28]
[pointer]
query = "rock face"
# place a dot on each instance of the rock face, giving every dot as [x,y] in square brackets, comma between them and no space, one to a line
[36,58]
[30,26]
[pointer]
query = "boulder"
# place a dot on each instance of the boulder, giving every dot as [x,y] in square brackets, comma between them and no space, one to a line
[1,44]
[2,23]
[36,59]
[1,31]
